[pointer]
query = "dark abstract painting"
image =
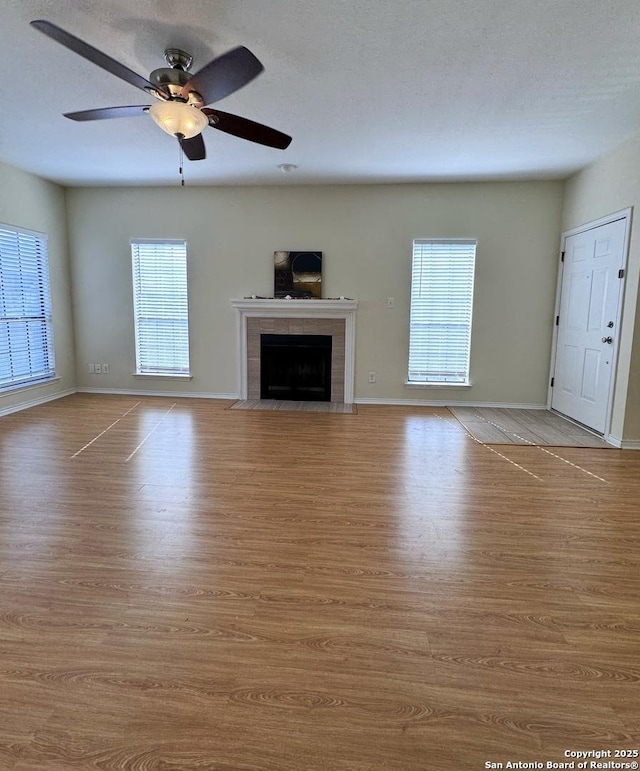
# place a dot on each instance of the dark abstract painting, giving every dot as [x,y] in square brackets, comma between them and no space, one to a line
[297,274]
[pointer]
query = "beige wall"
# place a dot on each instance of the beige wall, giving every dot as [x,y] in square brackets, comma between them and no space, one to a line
[365,233]
[607,186]
[32,203]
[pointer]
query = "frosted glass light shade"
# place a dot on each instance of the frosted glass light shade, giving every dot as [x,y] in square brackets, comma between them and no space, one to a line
[178,118]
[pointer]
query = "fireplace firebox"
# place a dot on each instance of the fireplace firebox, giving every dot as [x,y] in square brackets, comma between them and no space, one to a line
[295,367]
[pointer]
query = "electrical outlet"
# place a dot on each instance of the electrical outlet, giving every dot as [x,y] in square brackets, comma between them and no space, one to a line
[391,302]
[105,369]
[372,377]
[97,368]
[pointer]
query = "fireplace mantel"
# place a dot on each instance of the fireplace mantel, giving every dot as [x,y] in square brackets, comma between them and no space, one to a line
[300,309]
[252,308]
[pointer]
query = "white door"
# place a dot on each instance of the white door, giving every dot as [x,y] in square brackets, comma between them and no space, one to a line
[588,323]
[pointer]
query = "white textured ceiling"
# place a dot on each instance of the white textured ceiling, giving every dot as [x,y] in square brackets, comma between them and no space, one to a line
[370,90]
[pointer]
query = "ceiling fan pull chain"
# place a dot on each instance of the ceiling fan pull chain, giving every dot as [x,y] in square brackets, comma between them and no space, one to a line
[181,161]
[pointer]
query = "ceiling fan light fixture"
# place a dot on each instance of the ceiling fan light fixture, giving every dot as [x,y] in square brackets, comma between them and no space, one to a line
[178,118]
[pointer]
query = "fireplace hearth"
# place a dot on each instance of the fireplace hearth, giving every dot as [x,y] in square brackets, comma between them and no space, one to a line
[295,367]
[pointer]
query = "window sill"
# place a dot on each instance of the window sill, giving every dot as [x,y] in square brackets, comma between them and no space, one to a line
[411,384]
[163,375]
[12,389]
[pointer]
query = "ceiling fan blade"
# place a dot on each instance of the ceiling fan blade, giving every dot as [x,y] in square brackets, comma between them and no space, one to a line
[194,148]
[224,75]
[247,129]
[109,112]
[92,54]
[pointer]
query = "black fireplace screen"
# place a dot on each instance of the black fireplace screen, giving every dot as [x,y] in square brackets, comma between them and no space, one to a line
[296,367]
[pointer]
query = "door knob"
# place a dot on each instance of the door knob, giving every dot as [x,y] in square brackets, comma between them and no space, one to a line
[607,340]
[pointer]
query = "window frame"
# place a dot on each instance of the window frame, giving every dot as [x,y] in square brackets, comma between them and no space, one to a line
[143,367]
[31,281]
[461,377]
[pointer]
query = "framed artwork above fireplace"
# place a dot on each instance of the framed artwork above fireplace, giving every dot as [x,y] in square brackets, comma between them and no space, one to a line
[297,275]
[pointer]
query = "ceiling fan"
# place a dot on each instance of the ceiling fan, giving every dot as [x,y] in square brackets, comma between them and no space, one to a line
[181,97]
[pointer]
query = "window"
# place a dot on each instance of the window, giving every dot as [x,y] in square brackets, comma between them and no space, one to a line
[441,304]
[26,337]
[160,307]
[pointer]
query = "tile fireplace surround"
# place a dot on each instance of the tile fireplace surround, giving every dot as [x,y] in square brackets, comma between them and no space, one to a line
[298,317]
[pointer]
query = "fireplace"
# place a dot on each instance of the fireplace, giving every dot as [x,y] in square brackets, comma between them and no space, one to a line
[298,318]
[296,367]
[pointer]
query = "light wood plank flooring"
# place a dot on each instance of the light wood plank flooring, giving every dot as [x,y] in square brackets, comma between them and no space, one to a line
[188,587]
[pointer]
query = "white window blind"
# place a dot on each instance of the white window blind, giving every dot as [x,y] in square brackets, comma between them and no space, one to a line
[26,337]
[441,306]
[160,307]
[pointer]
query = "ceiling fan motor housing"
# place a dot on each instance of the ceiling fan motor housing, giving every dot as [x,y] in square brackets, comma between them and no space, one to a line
[169,80]
[172,79]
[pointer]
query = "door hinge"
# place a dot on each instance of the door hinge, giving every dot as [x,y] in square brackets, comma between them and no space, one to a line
[557,320]
[561,256]
[621,273]
[552,381]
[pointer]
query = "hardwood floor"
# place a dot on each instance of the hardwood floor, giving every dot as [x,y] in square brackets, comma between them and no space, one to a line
[184,586]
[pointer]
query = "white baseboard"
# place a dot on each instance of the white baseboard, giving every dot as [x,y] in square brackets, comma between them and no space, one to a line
[448,403]
[167,394]
[631,444]
[36,402]
[624,444]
